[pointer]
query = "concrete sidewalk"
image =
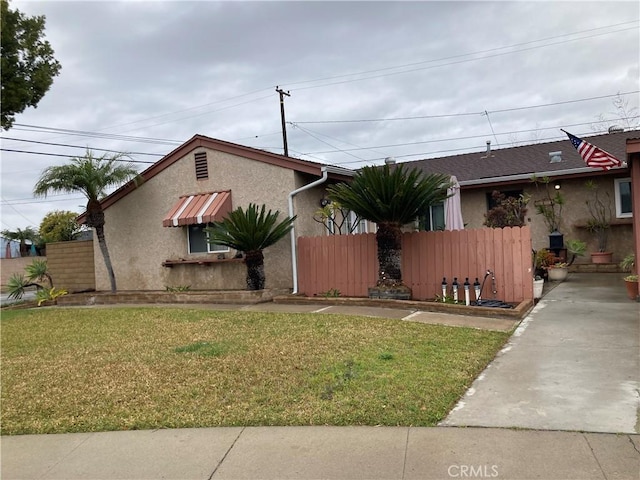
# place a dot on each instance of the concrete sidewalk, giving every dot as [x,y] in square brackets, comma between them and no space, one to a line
[572,364]
[322,452]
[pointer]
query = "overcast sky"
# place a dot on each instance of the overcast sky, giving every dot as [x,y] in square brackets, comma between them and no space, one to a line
[509,72]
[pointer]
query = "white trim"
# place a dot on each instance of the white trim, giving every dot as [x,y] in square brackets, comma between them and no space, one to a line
[184,206]
[528,176]
[205,207]
[619,212]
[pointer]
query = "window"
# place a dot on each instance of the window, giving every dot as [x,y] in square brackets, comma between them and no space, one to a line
[198,243]
[433,220]
[355,224]
[350,224]
[202,168]
[623,197]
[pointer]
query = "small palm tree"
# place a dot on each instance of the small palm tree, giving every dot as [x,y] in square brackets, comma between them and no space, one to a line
[391,199]
[250,231]
[22,235]
[91,176]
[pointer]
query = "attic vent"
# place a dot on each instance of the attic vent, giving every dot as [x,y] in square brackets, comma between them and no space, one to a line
[615,129]
[555,157]
[202,168]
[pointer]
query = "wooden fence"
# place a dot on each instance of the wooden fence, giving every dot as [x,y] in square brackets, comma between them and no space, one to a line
[348,263]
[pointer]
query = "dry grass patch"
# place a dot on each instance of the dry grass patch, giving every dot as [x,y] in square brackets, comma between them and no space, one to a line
[80,370]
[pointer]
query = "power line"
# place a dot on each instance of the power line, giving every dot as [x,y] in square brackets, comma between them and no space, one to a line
[78,146]
[467,54]
[469,137]
[65,156]
[461,61]
[484,112]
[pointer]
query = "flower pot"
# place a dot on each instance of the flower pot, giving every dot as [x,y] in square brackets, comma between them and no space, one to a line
[632,289]
[601,257]
[538,285]
[558,274]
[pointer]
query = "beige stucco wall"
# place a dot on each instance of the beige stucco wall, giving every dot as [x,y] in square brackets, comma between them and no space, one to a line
[574,215]
[138,243]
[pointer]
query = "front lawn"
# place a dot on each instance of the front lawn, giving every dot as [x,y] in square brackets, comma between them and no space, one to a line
[87,369]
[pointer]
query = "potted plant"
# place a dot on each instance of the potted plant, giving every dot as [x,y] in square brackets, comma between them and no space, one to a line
[576,248]
[600,221]
[631,281]
[550,207]
[558,271]
[542,259]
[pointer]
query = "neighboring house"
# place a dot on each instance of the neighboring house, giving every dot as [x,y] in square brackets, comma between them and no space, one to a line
[155,231]
[9,248]
[510,171]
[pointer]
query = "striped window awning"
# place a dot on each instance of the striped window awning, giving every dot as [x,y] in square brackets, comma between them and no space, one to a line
[200,208]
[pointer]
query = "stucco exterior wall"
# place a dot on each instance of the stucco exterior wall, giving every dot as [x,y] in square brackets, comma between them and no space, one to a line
[138,243]
[575,214]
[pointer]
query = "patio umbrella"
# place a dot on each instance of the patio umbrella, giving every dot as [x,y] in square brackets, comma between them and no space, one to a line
[452,209]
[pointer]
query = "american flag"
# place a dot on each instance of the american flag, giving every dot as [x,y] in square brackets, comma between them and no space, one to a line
[592,155]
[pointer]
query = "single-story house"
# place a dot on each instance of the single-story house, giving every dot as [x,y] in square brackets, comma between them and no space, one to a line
[154,228]
[510,170]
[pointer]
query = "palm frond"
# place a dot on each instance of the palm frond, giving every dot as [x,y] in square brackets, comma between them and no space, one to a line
[395,196]
[250,230]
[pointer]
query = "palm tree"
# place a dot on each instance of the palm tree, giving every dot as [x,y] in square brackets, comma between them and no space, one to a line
[391,199]
[91,176]
[22,236]
[250,231]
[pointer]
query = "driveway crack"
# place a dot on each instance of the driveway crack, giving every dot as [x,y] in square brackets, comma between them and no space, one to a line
[226,453]
[604,475]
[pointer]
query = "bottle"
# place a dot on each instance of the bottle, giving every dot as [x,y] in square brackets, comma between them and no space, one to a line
[454,286]
[444,288]
[467,286]
[476,288]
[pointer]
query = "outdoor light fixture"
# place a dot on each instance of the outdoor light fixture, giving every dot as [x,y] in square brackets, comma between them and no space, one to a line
[557,186]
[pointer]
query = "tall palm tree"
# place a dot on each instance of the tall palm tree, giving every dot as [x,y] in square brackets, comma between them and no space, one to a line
[391,198]
[91,176]
[250,231]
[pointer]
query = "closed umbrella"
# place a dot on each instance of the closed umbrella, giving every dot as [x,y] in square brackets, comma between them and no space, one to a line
[452,208]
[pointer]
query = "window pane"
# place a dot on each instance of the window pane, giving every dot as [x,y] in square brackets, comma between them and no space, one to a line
[437,217]
[197,239]
[625,197]
[433,219]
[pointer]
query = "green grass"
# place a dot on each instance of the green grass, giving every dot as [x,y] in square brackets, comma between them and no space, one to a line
[82,370]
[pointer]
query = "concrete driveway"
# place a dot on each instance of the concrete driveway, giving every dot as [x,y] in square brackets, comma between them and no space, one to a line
[572,364]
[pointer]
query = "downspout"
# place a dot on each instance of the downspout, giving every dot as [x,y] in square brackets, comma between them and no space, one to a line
[294,256]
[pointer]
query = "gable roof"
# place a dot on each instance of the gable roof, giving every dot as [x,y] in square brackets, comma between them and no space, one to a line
[521,163]
[201,141]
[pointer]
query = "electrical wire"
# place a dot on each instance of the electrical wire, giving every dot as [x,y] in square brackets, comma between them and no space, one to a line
[78,146]
[69,156]
[484,112]
[457,62]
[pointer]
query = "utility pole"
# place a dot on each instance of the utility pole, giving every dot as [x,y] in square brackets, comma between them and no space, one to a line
[284,127]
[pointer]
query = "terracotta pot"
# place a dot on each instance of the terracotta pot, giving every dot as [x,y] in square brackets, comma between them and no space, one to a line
[558,274]
[632,289]
[601,257]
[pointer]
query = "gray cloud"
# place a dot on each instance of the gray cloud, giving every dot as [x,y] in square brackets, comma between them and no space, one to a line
[169,70]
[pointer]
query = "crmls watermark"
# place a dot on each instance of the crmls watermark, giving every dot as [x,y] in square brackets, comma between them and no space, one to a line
[473,471]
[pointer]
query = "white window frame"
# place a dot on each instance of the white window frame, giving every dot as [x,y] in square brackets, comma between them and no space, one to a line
[619,212]
[210,248]
[361,226]
[349,221]
[431,217]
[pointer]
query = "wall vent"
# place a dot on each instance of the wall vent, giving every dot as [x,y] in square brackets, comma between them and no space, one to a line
[202,167]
